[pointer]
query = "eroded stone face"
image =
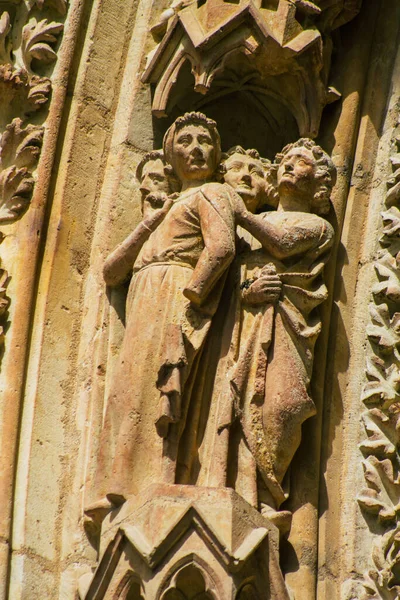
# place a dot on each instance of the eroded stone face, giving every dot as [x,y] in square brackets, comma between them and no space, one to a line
[193,156]
[246,175]
[297,172]
[156,182]
[154,178]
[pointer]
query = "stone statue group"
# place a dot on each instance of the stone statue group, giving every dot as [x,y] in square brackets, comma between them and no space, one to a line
[212,382]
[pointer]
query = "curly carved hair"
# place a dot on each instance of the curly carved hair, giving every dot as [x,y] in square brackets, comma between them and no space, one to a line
[271,197]
[191,118]
[240,150]
[174,183]
[325,173]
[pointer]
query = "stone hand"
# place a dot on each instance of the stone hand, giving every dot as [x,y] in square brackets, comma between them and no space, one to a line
[264,290]
[239,208]
[157,200]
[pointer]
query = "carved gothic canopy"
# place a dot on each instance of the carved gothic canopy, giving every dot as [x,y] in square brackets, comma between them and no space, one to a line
[269,50]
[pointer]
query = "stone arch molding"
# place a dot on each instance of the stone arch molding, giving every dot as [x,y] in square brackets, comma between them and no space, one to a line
[130,588]
[247,591]
[173,586]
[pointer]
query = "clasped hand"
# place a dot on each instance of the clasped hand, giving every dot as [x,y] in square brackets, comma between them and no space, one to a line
[156,201]
[266,289]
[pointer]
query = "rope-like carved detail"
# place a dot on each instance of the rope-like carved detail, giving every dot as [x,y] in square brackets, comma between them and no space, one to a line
[380,500]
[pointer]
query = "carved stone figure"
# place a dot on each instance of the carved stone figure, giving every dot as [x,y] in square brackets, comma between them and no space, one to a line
[157,181]
[261,398]
[178,254]
[183,435]
[203,453]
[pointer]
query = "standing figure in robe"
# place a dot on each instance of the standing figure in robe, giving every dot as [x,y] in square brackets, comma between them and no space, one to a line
[158,188]
[261,392]
[205,443]
[179,255]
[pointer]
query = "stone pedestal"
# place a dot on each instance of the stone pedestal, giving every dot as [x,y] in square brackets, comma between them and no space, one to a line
[184,543]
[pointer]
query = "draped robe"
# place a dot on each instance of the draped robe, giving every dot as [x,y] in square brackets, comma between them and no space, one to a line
[163,337]
[260,397]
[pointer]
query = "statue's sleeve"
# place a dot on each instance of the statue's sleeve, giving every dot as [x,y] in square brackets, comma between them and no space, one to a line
[303,280]
[119,263]
[218,230]
[289,239]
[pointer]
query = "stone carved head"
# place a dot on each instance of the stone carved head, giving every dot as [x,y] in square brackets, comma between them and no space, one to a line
[156,178]
[305,173]
[248,174]
[193,147]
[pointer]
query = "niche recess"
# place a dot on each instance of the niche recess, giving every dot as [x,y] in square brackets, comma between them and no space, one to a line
[259,67]
[245,113]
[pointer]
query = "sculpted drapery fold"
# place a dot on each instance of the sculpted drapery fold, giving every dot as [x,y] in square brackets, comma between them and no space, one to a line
[268,326]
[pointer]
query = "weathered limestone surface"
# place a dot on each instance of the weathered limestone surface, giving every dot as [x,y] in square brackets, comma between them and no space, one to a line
[185,332]
[198,526]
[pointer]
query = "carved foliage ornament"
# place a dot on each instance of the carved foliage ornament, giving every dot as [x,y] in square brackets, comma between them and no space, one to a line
[29,37]
[381,395]
[27,48]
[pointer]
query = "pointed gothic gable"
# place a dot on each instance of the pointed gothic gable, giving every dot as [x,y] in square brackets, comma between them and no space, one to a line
[284,62]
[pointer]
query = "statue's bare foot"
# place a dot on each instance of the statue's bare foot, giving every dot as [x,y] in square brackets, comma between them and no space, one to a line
[165,417]
[96,513]
[282,519]
[162,426]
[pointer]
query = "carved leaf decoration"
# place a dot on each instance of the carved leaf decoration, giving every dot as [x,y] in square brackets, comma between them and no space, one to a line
[378,592]
[20,146]
[39,92]
[381,582]
[4,301]
[393,194]
[393,182]
[395,177]
[381,499]
[20,93]
[37,37]
[16,186]
[370,502]
[395,160]
[19,152]
[383,386]
[391,222]
[5,46]
[382,495]
[384,331]
[382,438]
[387,269]
[59,5]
